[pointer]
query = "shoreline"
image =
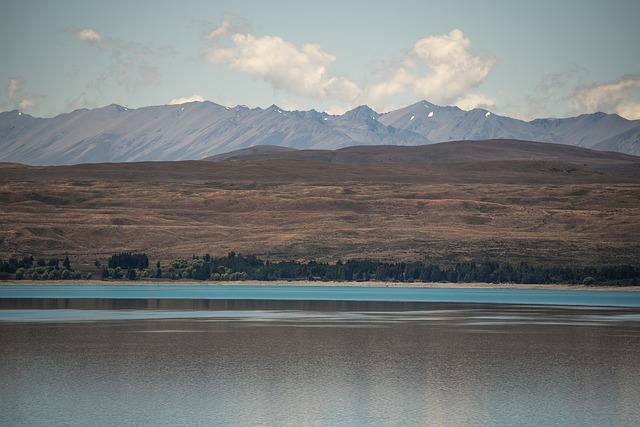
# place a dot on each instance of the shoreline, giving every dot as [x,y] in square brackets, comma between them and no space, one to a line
[302,283]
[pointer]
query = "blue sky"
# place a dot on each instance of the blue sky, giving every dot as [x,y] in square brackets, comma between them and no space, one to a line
[521,59]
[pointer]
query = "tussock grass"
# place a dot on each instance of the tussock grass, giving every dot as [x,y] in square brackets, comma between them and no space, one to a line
[516,210]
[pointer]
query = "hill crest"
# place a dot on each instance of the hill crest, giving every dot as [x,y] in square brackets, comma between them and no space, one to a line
[448,152]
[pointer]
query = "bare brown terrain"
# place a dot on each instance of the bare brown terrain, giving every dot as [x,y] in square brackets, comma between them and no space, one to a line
[555,209]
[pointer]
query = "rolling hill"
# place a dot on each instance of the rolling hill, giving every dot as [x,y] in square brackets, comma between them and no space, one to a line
[454,151]
[506,200]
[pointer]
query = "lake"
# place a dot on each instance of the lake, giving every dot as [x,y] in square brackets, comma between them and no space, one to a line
[318,356]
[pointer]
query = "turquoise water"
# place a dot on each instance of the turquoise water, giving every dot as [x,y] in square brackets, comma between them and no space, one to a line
[329,293]
[262,356]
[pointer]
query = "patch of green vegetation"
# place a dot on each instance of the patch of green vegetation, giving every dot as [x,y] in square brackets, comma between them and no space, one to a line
[28,268]
[235,267]
[238,267]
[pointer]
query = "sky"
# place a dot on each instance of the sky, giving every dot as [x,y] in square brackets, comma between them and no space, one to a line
[523,59]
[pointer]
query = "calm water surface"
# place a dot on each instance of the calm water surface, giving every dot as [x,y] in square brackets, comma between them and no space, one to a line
[292,363]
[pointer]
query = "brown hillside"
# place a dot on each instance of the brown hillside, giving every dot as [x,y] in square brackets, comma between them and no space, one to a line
[455,151]
[535,210]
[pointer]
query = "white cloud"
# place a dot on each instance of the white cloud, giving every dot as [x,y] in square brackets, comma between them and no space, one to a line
[453,69]
[132,64]
[79,102]
[621,97]
[89,35]
[13,88]
[474,100]
[441,69]
[629,110]
[19,99]
[184,100]
[397,84]
[300,70]
[223,30]
[27,103]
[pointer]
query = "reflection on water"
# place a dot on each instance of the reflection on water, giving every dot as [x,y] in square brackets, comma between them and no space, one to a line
[439,364]
[370,315]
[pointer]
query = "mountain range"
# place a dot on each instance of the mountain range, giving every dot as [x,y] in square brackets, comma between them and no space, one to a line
[200,130]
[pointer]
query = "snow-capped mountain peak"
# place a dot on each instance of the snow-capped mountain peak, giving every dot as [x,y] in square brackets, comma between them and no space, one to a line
[201,129]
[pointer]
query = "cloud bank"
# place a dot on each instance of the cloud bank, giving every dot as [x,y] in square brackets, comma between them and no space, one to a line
[438,68]
[621,97]
[299,70]
[441,69]
[192,98]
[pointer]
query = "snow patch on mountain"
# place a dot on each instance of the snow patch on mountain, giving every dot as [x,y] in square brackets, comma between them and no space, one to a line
[202,129]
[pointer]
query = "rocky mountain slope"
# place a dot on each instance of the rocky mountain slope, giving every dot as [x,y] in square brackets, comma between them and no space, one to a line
[203,129]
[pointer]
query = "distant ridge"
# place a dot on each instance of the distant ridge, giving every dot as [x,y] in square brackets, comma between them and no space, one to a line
[257,151]
[452,151]
[199,130]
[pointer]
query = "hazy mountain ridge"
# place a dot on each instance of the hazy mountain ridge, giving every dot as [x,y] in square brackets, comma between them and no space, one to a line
[203,129]
[441,124]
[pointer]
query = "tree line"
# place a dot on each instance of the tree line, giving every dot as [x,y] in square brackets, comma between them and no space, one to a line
[128,260]
[41,269]
[235,267]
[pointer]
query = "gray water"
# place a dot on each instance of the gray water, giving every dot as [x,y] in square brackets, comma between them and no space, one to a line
[293,363]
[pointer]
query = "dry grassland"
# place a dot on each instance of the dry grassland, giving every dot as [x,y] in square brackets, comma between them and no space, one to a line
[514,211]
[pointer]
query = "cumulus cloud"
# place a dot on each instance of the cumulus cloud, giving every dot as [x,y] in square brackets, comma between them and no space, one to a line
[184,100]
[395,85]
[19,99]
[621,97]
[439,68]
[475,100]
[300,70]
[89,35]
[452,68]
[629,110]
